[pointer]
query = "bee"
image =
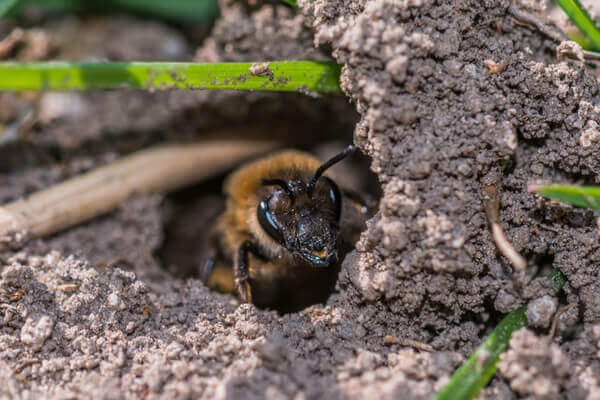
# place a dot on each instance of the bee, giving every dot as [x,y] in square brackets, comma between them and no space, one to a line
[285,230]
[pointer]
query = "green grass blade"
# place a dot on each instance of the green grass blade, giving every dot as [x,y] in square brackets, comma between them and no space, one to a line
[321,77]
[582,20]
[479,368]
[582,196]
[48,6]
[6,5]
[291,2]
[475,373]
[580,39]
[180,10]
[177,10]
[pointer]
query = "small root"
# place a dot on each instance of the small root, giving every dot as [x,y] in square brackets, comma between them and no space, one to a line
[25,364]
[560,312]
[491,203]
[389,339]
[527,19]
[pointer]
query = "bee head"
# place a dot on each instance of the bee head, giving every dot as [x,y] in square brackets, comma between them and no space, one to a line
[303,215]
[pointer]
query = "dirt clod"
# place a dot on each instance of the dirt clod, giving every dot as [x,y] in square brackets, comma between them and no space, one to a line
[540,311]
[542,372]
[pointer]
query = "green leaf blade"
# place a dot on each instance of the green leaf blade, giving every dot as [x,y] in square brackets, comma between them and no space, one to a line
[480,367]
[581,18]
[475,373]
[303,76]
[177,10]
[185,11]
[581,196]
[6,5]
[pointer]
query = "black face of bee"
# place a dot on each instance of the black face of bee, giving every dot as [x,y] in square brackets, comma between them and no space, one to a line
[304,218]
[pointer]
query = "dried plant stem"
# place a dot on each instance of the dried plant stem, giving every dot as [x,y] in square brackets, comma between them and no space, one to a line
[158,169]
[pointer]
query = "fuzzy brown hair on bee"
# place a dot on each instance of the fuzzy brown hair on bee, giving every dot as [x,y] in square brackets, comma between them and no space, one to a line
[284,232]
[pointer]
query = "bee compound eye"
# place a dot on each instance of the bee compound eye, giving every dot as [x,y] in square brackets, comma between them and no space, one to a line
[267,222]
[335,196]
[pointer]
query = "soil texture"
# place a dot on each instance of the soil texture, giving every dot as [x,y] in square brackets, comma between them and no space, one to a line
[447,98]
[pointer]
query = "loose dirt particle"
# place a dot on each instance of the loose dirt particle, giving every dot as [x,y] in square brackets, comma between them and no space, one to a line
[261,70]
[495,67]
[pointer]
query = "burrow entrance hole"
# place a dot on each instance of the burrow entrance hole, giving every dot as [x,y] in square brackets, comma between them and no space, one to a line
[190,214]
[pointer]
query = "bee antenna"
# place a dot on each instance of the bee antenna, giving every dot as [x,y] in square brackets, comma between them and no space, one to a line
[281,183]
[333,160]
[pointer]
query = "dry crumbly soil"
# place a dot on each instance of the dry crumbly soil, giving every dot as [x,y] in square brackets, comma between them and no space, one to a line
[453,96]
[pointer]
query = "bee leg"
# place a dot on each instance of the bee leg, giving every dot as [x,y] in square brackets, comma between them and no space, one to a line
[215,269]
[208,265]
[217,275]
[241,272]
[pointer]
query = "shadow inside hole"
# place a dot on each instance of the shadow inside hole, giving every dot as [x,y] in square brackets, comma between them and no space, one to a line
[191,213]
